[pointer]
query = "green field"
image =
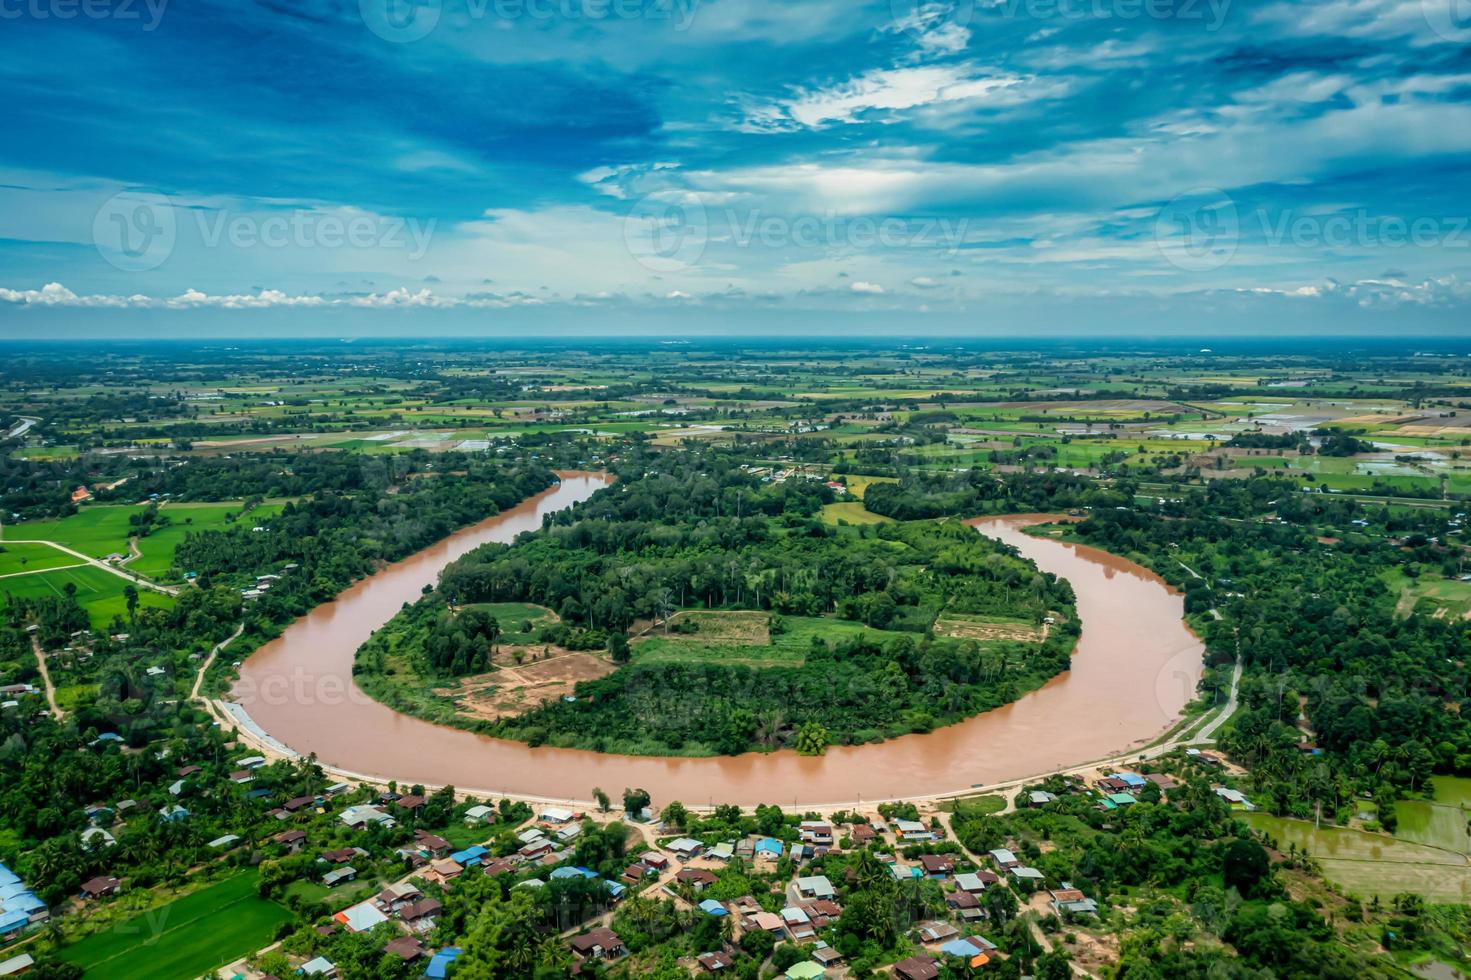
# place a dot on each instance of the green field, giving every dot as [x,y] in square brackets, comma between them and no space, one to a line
[785,649]
[100,530]
[17,558]
[512,616]
[852,512]
[1430,594]
[184,939]
[100,592]
[1374,864]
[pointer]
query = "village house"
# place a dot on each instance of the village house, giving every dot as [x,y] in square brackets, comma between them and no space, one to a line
[1004,859]
[816,832]
[966,906]
[912,831]
[767,922]
[917,968]
[419,916]
[443,871]
[360,917]
[337,876]
[815,886]
[598,944]
[406,948]
[696,878]
[937,865]
[798,924]
[361,815]
[686,848]
[100,887]
[975,882]
[431,844]
[862,834]
[1070,901]
[714,962]
[394,897]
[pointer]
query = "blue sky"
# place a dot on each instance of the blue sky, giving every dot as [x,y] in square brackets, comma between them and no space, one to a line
[672,166]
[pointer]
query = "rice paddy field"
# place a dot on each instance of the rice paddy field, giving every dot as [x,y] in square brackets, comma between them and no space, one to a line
[99,591]
[1429,854]
[186,938]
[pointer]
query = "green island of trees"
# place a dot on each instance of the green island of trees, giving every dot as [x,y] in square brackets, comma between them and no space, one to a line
[844,648]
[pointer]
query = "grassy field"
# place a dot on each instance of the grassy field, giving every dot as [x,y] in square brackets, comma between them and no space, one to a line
[853,513]
[512,616]
[17,557]
[184,939]
[746,647]
[103,529]
[99,592]
[1430,594]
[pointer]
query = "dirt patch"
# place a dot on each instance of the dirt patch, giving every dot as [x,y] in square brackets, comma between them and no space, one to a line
[964,628]
[514,690]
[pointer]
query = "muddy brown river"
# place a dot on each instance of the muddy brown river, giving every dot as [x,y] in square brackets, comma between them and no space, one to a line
[1134,669]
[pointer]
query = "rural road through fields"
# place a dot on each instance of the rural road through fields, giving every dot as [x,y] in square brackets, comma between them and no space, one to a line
[97,562]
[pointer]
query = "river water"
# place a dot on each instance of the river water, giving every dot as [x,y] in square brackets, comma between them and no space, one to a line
[1134,669]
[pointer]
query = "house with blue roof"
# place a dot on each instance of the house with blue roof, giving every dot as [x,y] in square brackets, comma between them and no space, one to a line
[469,856]
[711,907]
[769,846]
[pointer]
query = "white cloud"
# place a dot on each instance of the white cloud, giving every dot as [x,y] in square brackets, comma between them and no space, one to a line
[871,288]
[885,91]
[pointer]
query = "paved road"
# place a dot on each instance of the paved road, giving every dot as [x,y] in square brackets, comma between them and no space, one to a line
[199,676]
[1209,730]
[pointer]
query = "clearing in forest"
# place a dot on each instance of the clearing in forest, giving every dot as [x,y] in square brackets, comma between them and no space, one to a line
[970,627]
[514,690]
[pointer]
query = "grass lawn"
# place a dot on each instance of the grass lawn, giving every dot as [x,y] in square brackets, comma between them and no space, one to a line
[511,616]
[184,939]
[785,649]
[99,592]
[988,804]
[17,557]
[853,513]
